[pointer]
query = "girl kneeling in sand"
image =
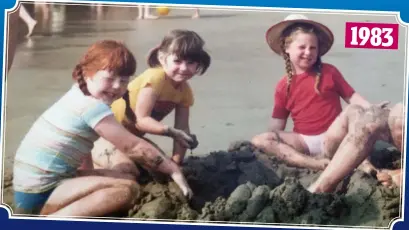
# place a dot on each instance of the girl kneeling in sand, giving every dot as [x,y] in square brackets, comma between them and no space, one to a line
[154,94]
[47,180]
[310,92]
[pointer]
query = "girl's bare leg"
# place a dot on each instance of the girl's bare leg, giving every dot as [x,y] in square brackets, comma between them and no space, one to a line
[289,147]
[140,12]
[148,14]
[196,14]
[395,121]
[31,22]
[354,148]
[13,29]
[339,130]
[396,125]
[91,196]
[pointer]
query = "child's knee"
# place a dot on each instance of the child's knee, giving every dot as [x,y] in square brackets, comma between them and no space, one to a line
[260,140]
[396,115]
[398,109]
[353,110]
[131,191]
[127,168]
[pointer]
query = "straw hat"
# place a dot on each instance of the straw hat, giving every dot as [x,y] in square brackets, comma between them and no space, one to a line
[273,34]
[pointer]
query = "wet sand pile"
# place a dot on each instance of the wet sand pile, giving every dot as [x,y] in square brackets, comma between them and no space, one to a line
[245,185]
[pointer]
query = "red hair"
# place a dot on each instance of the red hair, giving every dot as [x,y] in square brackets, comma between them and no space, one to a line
[104,55]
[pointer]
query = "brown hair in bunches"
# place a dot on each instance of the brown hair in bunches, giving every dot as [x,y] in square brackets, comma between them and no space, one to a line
[286,39]
[186,45]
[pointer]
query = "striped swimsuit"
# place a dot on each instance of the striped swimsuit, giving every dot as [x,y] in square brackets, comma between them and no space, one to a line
[57,142]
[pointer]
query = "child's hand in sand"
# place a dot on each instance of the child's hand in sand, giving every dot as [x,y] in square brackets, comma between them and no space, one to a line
[194,143]
[390,178]
[181,136]
[183,185]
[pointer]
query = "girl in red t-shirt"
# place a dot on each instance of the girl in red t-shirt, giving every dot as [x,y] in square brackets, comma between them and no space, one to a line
[310,92]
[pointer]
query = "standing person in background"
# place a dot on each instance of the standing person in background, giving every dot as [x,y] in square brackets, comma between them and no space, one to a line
[196,14]
[144,12]
[30,22]
[12,28]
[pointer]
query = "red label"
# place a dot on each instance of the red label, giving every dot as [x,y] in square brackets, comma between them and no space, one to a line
[371,35]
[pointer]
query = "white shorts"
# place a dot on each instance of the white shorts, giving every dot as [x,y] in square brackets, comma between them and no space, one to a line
[314,143]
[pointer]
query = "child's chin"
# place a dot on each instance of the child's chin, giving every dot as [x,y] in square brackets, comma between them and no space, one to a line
[184,79]
[306,66]
[108,100]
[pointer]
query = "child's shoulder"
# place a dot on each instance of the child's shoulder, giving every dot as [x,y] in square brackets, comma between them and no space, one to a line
[282,83]
[74,102]
[150,75]
[156,73]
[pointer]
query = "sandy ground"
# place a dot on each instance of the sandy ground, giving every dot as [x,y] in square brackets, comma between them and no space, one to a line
[233,100]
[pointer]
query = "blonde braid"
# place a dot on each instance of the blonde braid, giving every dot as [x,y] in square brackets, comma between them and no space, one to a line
[318,66]
[288,67]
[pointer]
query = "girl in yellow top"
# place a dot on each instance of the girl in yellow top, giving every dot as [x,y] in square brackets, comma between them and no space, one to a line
[155,93]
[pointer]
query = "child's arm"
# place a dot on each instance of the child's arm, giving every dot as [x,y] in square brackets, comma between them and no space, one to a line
[140,151]
[182,123]
[357,99]
[144,106]
[280,113]
[277,124]
[137,148]
[143,109]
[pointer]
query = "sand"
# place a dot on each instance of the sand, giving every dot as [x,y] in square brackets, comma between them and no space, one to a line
[246,185]
[216,178]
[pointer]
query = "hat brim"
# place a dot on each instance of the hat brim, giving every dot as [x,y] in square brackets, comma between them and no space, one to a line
[273,35]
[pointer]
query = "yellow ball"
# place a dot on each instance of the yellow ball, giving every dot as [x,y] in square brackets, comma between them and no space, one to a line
[162,10]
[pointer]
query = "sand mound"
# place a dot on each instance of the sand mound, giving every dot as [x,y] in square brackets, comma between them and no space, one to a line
[245,185]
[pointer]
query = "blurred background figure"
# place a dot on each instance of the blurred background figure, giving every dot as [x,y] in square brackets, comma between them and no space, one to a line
[30,22]
[57,21]
[97,10]
[44,8]
[144,12]
[196,14]
[12,36]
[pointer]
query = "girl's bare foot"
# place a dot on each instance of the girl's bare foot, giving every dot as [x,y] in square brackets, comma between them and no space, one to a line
[390,178]
[368,168]
[31,26]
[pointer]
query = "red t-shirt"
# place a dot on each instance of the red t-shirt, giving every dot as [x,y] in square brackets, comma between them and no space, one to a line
[312,113]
